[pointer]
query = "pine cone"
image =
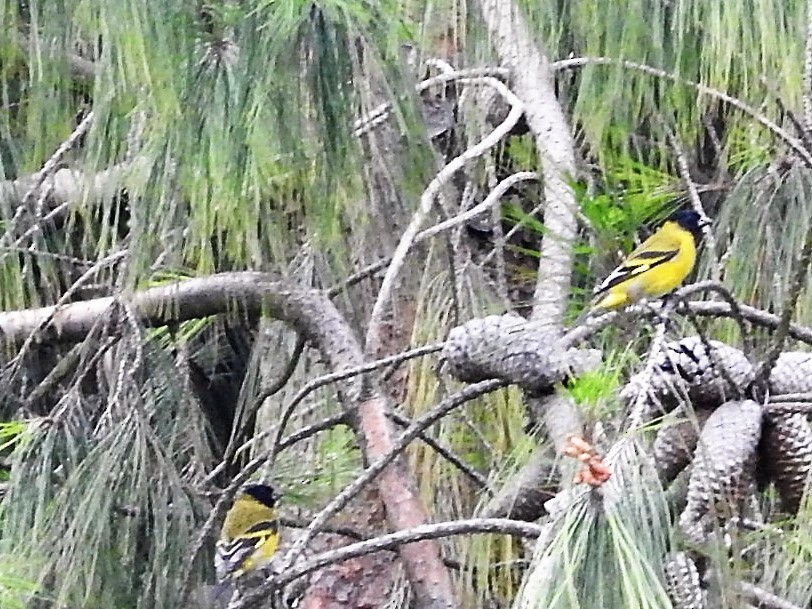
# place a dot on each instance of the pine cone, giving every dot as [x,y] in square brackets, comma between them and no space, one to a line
[724,467]
[792,373]
[682,582]
[675,443]
[786,454]
[686,370]
[511,348]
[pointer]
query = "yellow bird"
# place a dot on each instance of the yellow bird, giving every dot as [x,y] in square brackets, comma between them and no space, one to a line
[655,268]
[250,533]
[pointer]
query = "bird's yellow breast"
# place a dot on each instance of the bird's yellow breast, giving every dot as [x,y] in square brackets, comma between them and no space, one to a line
[659,279]
[245,513]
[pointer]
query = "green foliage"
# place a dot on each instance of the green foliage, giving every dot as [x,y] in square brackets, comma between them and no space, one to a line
[728,47]
[228,125]
[594,390]
[598,554]
[98,509]
[14,591]
[11,434]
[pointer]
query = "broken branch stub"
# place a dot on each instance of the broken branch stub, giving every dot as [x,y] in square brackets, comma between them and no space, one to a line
[509,347]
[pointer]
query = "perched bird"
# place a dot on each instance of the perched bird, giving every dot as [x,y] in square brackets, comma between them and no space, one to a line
[250,533]
[655,268]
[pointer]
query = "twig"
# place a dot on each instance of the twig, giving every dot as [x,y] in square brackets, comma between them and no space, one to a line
[516,228]
[427,201]
[311,430]
[640,407]
[50,165]
[380,113]
[446,453]
[297,523]
[326,379]
[84,278]
[290,368]
[759,117]
[696,203]
[38,178]
[321,381]
[358,277]
[407,437]
[791,397]
[765,600]
[788,308]
[490,201]
[786,112]
[500,526]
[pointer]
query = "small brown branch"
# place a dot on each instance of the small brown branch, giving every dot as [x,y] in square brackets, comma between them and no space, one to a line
[328,379]
[358,277]
[490,201]
[446,453]
[498,526]
[310,430]
[283,379]
[407,437]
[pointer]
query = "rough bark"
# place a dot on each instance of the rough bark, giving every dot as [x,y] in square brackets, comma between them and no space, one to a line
[533,83]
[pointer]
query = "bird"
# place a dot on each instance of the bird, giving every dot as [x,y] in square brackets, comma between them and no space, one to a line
[657,267]
[250,533]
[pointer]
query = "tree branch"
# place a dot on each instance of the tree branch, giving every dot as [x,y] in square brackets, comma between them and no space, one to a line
[499,526]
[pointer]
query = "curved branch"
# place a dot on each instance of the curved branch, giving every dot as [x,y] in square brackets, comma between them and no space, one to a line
[407,437]
[501,526]
[427,199]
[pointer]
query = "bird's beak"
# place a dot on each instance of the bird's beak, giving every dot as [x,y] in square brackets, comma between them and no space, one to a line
[705,221]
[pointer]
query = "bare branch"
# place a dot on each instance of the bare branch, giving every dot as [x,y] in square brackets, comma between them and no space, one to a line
[427,199]
[764,599]
[493,198]
[412,432]
[500,526]
[446,453]
[696,203]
